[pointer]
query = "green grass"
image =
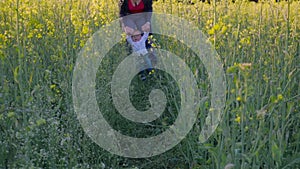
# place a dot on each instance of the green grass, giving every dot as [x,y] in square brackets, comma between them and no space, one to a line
[259,48]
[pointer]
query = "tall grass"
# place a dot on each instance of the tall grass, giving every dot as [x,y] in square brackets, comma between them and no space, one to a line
[258,44]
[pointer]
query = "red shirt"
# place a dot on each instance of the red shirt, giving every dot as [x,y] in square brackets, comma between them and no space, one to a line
[136,9]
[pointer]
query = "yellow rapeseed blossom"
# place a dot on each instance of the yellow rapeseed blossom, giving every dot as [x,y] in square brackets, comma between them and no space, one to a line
[238,119]
[279,97]
[224,29]
[52,86]
[39,36]
[266,78]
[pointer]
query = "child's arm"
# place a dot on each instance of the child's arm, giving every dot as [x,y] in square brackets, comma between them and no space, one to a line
[129,39]
[145,36]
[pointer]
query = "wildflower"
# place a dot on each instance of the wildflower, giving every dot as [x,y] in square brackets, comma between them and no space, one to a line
[39,36]
[266,78]
[279,97]
[52,86]
[224,29]
[238,119]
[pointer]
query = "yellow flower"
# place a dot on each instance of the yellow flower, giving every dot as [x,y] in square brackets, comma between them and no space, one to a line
[238,119]
[85,30]
[239,98]
[279,97]
[39,36]
[224,29]
[52,86]
[266,78]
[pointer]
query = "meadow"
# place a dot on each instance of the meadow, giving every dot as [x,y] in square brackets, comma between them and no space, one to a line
[258,45]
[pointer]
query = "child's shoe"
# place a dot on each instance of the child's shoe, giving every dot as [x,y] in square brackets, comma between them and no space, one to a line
[143,76]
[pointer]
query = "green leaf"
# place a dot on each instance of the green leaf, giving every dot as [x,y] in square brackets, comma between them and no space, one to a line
[276,152]
[16,73]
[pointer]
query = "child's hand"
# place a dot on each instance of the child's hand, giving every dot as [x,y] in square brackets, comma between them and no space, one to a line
[146,27]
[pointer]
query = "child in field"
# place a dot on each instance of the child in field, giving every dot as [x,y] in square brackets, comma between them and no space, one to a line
[137,41]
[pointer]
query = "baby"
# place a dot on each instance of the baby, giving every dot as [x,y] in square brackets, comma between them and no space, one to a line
[138,42]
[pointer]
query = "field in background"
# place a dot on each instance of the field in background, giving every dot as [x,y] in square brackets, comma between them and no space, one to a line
[258,43]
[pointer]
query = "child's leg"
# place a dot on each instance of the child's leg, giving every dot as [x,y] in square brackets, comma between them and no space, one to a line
[145,66]
[153,56]
[140,65]
[147,61]
[148,65]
